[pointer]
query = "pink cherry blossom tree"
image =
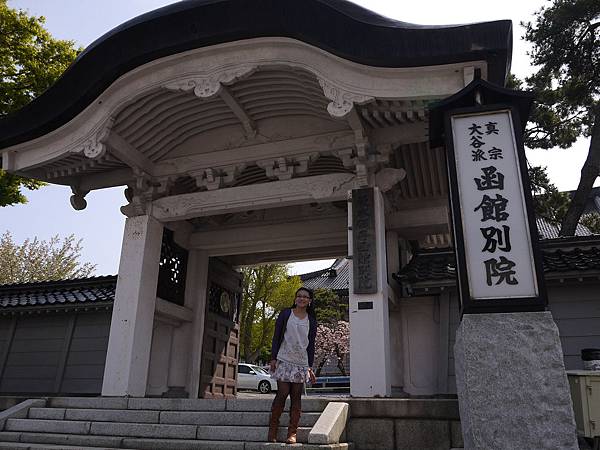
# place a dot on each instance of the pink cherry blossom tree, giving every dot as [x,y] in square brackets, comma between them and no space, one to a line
[332,344]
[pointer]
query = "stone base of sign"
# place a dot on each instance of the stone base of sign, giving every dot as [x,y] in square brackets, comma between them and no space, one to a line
[512,387]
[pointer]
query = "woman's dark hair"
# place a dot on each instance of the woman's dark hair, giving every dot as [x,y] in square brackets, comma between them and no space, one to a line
[310,309]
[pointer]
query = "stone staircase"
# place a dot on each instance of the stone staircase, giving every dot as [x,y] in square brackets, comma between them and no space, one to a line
[146,423]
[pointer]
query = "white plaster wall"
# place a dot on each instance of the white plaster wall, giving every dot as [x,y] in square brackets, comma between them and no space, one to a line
[420,331]
[180,357]
[170,356]
[158,372]
[195,296]
[454,320]
[396,349]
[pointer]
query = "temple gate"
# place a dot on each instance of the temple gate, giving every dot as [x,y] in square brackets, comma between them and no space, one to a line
[294,131]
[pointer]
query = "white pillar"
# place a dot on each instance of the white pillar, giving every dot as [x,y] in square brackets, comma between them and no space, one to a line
[195,299]
[369,328]
[180,358]
[393,266]
[128,355]
[158,369]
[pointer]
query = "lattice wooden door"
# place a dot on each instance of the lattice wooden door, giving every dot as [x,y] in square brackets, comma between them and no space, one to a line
[220,347]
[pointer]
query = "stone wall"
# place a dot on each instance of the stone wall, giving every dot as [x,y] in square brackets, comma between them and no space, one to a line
[403,424]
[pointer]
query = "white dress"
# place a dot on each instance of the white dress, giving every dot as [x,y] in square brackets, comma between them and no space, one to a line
[292,358]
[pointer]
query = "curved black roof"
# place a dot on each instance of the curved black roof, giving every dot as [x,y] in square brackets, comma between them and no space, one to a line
[336,26]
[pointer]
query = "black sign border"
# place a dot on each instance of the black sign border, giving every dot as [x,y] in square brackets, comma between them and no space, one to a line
[468,305]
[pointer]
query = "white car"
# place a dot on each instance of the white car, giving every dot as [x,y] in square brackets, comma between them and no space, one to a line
[255,378]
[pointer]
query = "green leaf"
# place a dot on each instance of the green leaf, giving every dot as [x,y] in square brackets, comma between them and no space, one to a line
[31,60]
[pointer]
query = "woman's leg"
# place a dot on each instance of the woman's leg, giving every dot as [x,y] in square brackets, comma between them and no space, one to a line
[295,411]
[283,389]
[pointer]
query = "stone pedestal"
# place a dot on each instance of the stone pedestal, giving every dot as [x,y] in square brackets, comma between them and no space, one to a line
[512,387]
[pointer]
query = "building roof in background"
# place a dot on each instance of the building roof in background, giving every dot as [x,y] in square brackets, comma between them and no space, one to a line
[335,278]
[94,292]
[547,230]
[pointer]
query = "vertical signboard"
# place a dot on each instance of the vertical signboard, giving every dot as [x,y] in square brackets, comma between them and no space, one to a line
[494,228]
[363,242]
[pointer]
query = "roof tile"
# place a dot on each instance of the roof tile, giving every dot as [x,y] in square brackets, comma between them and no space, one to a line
[441,264]
[55,293]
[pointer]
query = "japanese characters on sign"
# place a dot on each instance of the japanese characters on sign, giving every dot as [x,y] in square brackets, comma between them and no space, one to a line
[497,242]
[363,242]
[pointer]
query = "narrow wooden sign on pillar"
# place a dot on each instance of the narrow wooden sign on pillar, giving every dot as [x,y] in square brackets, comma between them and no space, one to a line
[364,256]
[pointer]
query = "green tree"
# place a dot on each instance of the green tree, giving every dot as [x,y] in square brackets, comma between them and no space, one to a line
[329,307]
[31,60]
[548,201]
[36,260]
[565,38]
[552,205]
[591,222]
[267,290]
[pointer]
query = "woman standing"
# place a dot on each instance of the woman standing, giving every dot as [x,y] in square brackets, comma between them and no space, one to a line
[292,356]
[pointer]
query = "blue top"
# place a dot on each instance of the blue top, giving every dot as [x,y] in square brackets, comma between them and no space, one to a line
[280,325]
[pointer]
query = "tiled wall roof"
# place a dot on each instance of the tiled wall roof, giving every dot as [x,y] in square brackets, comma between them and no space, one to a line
[60,293]
[440,265]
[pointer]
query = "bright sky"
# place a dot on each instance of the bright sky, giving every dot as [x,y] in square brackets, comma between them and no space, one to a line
[100,225]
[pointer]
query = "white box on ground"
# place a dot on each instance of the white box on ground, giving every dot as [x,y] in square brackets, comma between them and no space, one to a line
[585,393]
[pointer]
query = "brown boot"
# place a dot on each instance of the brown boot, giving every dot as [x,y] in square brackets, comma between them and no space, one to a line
[276,411]
[295,413]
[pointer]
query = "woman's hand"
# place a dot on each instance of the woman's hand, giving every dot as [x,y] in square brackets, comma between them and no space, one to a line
[311,376]
[273,365]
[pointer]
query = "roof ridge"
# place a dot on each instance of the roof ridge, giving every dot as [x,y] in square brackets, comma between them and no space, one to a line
[58,283]
[316,273]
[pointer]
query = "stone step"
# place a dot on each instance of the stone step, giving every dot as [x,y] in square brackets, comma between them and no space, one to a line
[250,418]
[202,432]
[232,418]
[264,404]
[181,445]
[88,402]
[273,446]
[156,444]
[95,415]
[180,404]
[50,426]
[103,428]
[248,434]
[29,446]
[64,441]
